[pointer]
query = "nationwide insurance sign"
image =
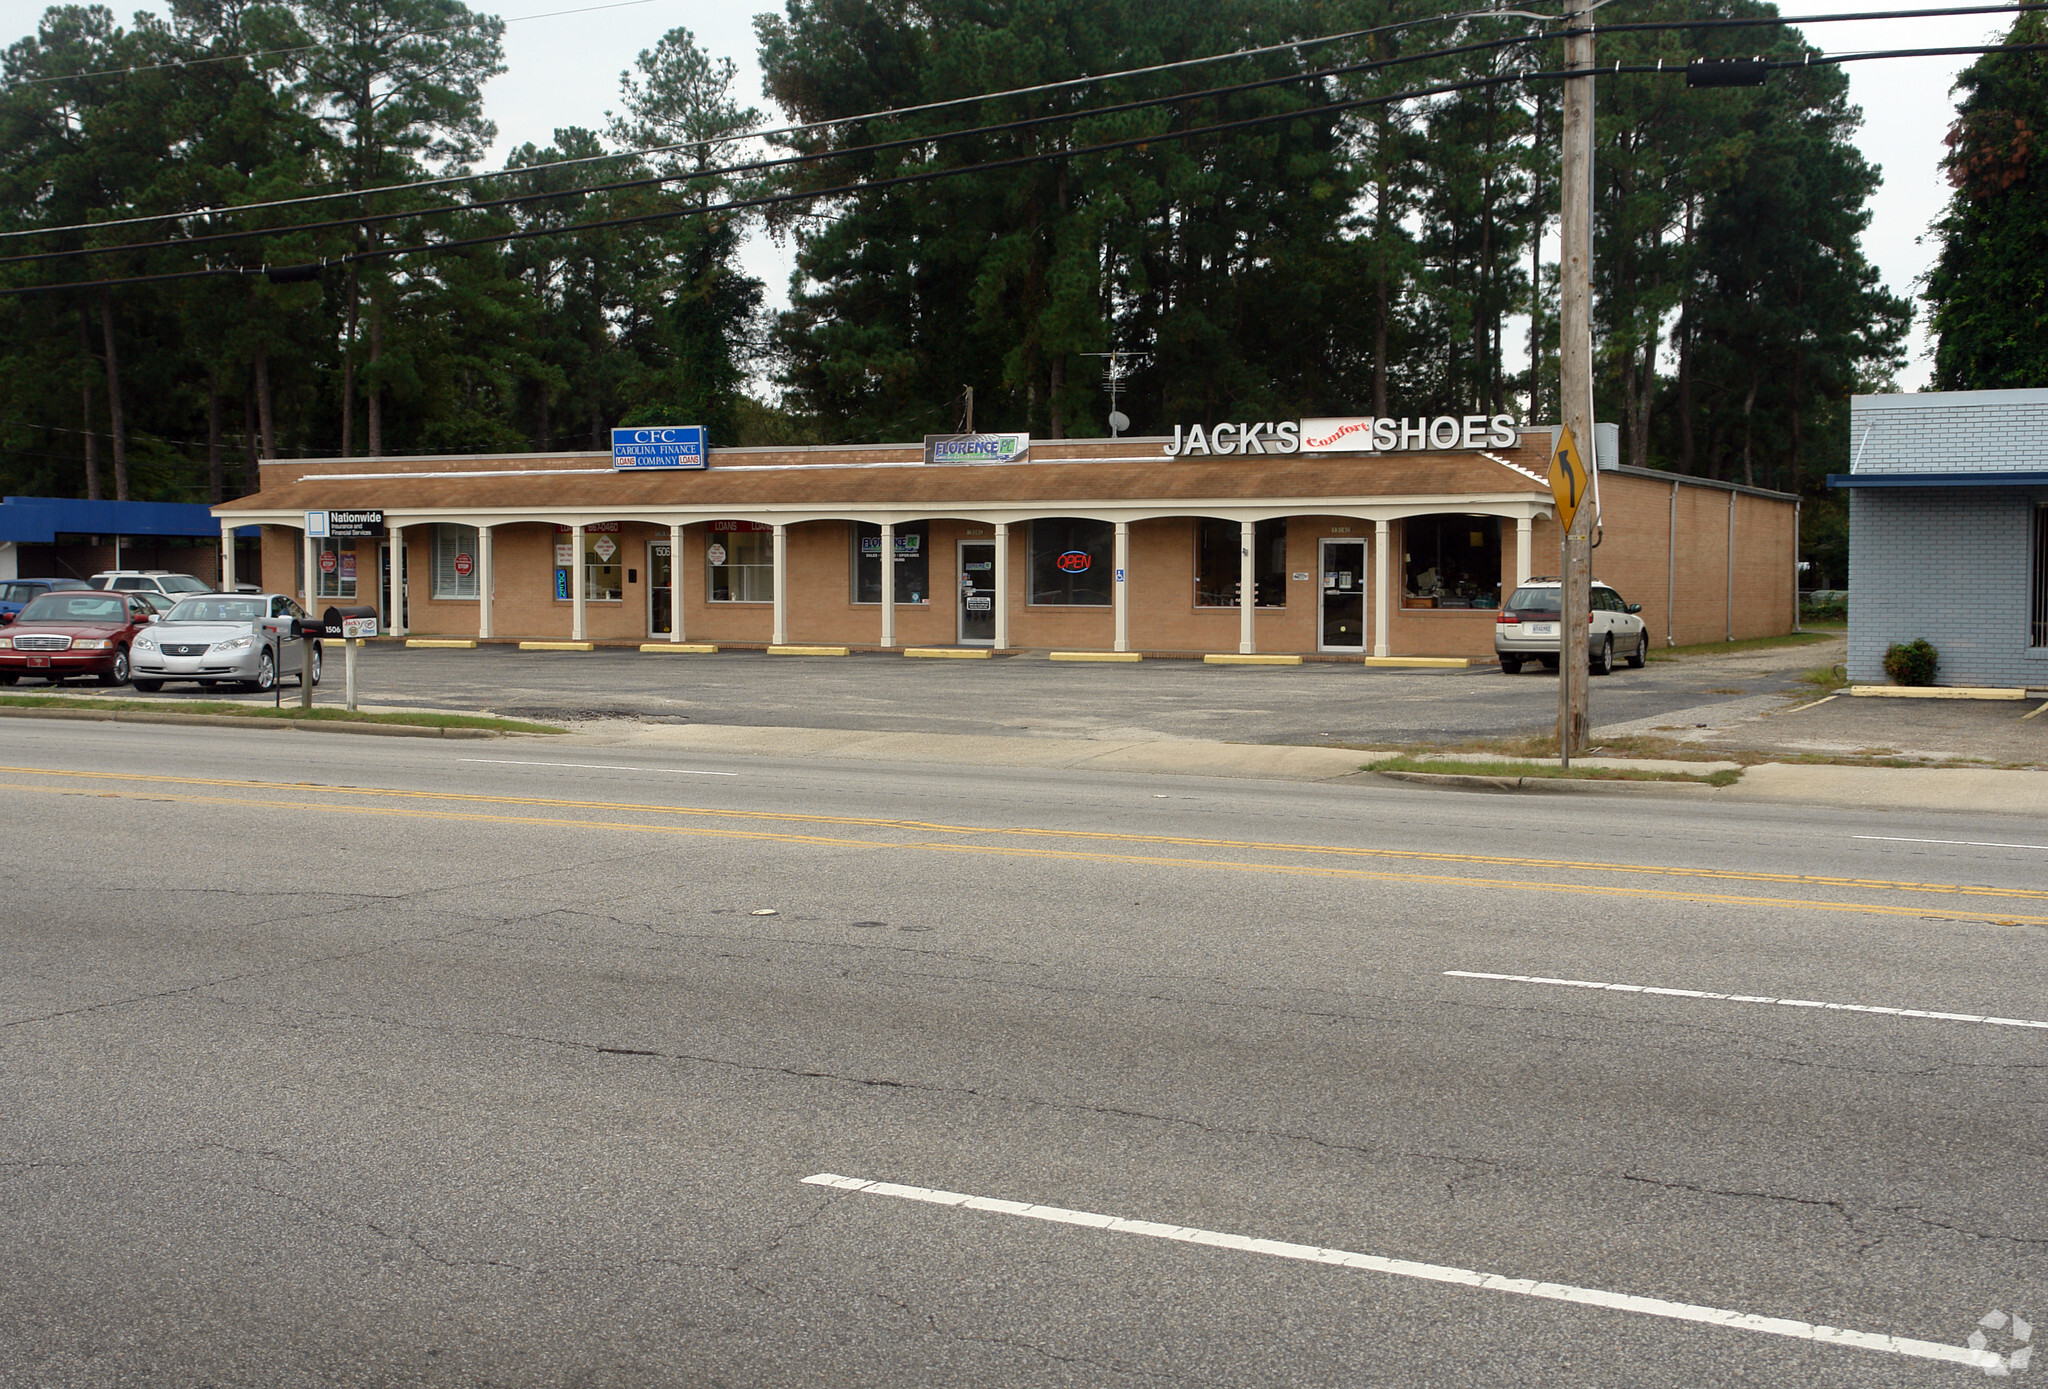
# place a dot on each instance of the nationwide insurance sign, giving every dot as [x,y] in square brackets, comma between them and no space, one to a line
[658,446]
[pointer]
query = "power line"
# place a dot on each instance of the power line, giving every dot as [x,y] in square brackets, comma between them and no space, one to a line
[993,166]
[181,63]
[774,132]
[787,130]
[760,166]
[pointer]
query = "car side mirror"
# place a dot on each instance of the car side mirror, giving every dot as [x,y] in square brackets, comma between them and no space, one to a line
[1635,607]
[6,619]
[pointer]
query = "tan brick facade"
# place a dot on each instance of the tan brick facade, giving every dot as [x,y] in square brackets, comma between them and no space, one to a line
[1689,600]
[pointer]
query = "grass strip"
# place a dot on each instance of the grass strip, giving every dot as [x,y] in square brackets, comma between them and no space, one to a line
[1449,767]
[410,718]
[1709,648]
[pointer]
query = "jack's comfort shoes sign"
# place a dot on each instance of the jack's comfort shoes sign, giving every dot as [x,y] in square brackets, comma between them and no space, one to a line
[1347,434]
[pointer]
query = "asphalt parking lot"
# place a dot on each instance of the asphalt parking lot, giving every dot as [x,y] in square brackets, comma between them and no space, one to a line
[1029,695]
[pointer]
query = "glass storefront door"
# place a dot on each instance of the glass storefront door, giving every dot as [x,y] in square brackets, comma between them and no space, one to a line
[1343,590]
[977,593]
[661,593]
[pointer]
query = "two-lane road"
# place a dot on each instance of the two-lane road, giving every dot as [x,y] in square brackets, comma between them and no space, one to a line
[373,1061]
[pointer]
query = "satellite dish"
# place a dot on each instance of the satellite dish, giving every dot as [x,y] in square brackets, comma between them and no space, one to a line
[1118,422]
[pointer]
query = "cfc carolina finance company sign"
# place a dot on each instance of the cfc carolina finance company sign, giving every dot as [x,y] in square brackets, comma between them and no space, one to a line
[1347,434]
[658,446]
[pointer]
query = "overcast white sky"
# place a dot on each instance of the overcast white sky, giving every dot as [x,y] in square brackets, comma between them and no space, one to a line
[563,69]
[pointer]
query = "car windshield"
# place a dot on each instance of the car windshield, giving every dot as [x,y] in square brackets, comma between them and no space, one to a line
[217,610]
[76,607]
[1534,600]
[182,583]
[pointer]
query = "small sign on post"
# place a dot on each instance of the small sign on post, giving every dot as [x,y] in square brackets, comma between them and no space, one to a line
[1567,479]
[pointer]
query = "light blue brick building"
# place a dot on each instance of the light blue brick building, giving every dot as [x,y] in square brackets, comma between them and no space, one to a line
[1948,533]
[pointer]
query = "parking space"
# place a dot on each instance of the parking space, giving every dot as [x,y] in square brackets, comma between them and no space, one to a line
[1029,695]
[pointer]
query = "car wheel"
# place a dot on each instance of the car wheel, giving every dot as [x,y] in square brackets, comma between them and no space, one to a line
[9,678]
[119,674]
[266,673]
[316,668]
[1603,659]
[149,686]
[1642,653]
[1511,665]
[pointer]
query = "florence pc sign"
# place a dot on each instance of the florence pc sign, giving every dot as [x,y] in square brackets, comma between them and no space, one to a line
[658,446]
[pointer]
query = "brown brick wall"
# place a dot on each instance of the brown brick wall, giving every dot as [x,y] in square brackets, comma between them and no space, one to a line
[1632,556]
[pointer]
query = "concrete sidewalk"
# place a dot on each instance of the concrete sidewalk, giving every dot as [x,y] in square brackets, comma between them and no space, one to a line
[1963,789]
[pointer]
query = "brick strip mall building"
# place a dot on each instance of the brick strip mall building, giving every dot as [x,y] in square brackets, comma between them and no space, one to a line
[1099,544]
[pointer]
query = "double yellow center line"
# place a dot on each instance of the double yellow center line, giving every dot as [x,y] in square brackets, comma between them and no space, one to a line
[699,822]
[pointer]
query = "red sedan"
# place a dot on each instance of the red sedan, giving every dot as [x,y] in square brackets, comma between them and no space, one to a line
[73,633]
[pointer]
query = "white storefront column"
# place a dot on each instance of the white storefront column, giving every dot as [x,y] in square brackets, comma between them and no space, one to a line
[1002,598]
[227,558]
[1247,587]
[780,637]
[486,581]
[312,584]
[1120,558]
[1382,608]
[394,540]
[675,581]
[1524,527]
[576,582]
[888,583]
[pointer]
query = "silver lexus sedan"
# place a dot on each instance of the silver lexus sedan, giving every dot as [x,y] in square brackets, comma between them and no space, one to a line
[232,638]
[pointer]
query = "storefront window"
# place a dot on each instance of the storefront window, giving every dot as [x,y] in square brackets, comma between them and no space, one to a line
[1070,562]
[912,566]
[454,560]
[335,569]
[1216,563]
[739,559]
[1451,561]
[603,563]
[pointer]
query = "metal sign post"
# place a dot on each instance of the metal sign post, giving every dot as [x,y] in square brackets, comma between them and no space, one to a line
[353,630]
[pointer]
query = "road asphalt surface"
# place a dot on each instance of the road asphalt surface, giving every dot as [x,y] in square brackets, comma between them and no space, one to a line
[365,1061]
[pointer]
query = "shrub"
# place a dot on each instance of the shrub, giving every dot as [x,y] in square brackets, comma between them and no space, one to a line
[1911,663]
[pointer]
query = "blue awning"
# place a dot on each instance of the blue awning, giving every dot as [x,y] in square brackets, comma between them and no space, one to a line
[40,520]
[1938,479]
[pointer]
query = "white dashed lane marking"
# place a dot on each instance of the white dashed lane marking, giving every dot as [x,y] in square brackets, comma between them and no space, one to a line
[1746,998]
[1987,1360]
[593,766]
[1963,843]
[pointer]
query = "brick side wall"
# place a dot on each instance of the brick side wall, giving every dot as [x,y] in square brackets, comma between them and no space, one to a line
[1949,432]
[1951,565]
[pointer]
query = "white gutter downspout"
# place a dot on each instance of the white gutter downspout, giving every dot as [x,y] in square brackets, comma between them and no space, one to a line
[1795,566]
[1671,573]
[1731,565]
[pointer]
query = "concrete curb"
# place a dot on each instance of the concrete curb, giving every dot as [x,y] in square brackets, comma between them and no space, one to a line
[1936,692]
[1461,781]
[386,730]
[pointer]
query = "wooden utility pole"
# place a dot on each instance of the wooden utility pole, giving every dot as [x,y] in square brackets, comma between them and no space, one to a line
[1575,369]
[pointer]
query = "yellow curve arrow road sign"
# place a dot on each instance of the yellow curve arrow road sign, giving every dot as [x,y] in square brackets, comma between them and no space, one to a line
[1567,479]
